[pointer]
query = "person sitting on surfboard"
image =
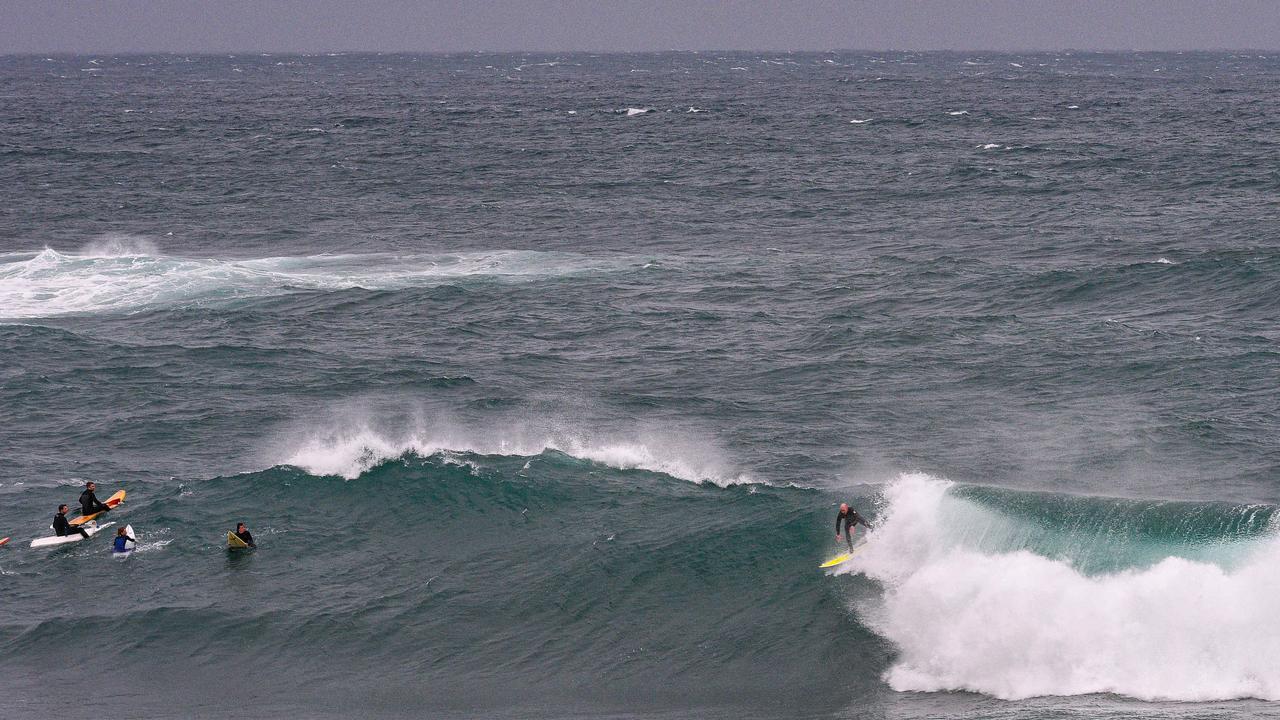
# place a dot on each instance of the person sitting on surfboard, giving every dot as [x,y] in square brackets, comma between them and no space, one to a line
[122,538]
[242,532]
[849,517]
[62,527]
[89,503]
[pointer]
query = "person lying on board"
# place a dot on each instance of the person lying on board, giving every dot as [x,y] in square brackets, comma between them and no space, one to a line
[242,532]
[62,527]
[89,503]
[122,537]
[849,517]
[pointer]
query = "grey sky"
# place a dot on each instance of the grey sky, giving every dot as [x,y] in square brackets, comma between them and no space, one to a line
[49,26]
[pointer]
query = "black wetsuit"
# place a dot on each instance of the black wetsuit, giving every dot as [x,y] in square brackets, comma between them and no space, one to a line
[89,503]
[849,520]
[62,528]
[246,537]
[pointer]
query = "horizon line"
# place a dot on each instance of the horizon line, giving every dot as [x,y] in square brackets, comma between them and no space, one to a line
[349,51]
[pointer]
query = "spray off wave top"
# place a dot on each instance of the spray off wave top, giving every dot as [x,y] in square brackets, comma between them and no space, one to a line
[133,276]
[350,448]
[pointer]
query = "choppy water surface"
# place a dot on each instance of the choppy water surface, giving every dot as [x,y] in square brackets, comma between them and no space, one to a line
[537,379]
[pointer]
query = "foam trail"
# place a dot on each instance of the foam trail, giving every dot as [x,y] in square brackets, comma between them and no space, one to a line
[115,275]
[349,449]
[1014,624]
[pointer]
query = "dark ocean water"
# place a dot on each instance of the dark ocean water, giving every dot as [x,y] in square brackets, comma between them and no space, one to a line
[538,378]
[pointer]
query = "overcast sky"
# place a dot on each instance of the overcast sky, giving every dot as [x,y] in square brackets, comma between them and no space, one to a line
[98,26]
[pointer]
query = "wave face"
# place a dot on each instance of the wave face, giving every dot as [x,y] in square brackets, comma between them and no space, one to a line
[1004,594]
[494,581]
[517,580]
[130,275]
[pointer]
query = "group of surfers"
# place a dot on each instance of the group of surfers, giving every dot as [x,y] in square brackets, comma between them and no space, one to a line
[91,505]
[846,520]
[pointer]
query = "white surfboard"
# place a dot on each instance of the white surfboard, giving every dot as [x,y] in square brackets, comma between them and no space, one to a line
[92,529]
[129,545]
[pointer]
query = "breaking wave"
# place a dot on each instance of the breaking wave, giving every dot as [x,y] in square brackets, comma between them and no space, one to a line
[998,593]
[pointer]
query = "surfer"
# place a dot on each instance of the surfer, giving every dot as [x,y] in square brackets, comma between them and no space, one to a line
[62,527]
[849,517]
[122,538]
[89,502]
[242,532]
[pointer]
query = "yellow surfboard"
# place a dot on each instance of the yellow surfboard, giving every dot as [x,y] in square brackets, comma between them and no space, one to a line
[234,542]
[111,502]
[842,558]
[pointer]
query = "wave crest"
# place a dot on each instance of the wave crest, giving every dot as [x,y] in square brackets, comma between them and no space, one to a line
[351,449]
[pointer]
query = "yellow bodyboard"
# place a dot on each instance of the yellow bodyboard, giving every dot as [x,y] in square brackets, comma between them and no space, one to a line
[234,542]
[111,502]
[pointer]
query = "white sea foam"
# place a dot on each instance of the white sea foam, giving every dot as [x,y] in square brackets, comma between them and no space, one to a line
[1164,261]
[860,122]
[144,546]
[1017,625]
[123,274]
[348,445]
[990,146]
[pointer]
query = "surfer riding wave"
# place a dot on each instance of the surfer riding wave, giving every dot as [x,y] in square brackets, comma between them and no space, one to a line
[849,517]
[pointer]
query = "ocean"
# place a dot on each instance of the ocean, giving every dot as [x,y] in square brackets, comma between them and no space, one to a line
[538,379]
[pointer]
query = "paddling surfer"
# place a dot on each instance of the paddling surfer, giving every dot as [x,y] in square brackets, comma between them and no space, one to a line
[243,533]
[122,540]
[89,502]
[849,517]
[62,527]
